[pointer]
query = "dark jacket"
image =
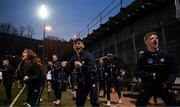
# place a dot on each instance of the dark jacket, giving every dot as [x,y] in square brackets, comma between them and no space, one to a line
[56,71]
[34,72]
[101,72]
[88,71]
[112,69]
[159,63]
[8,72]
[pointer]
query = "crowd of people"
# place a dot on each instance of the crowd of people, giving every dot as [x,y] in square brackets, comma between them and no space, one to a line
[86,76]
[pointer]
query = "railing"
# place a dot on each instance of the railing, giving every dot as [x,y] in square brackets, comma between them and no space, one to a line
[112,9]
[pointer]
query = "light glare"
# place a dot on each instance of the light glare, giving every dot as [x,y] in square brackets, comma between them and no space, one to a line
[48,28]
[43,12]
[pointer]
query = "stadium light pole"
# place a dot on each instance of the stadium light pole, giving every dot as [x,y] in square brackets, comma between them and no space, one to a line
[43,13]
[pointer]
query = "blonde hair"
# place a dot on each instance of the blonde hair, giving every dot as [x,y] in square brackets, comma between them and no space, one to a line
[149,34]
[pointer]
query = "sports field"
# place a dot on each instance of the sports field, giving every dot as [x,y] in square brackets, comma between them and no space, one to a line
[67,99]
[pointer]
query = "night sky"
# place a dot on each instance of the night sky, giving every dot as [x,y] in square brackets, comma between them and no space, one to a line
[66,17]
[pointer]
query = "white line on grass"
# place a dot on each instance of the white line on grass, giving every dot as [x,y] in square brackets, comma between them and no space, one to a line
[15,99]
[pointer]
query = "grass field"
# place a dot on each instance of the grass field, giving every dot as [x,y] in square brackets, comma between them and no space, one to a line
[67,100]
[46,101]
[3,96]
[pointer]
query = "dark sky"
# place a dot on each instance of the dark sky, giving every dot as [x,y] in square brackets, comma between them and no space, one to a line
[66,17]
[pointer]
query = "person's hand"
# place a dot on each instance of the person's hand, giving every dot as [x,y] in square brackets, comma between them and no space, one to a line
[26,78]
[77,64]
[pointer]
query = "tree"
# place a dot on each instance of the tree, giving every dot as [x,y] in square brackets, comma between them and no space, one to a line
[30,31]
[61,47]
[21,30]
[8,28]
[52,38]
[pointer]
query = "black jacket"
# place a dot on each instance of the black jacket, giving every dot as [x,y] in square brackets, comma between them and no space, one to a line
[101,72]
[34,72]
[56,71]
[88,71]
[112,69]
[159,63]
[8,72]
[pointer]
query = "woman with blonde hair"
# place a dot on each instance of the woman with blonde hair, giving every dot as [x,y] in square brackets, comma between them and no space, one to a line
[30,70]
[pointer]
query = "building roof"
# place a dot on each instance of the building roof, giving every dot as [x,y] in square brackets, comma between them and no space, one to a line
[126,16]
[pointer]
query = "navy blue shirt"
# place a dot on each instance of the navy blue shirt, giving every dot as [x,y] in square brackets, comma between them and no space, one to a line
[88,69]
[56,71]
[158,63]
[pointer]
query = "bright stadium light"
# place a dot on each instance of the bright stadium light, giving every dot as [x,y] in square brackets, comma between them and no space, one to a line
[43,12]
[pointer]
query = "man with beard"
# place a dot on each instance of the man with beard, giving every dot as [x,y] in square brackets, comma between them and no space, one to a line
[157,72]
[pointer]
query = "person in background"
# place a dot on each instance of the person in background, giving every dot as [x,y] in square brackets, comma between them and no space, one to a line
[64,76]
[7,75]
[56,79]
[113,74]
[101,72]
[49,77]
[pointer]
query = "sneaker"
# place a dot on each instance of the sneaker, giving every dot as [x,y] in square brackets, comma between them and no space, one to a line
[120,101]
[58,102]
[108,103]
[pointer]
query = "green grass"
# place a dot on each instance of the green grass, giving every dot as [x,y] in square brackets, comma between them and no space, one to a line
[66,98]
[2,96]
[15,91]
